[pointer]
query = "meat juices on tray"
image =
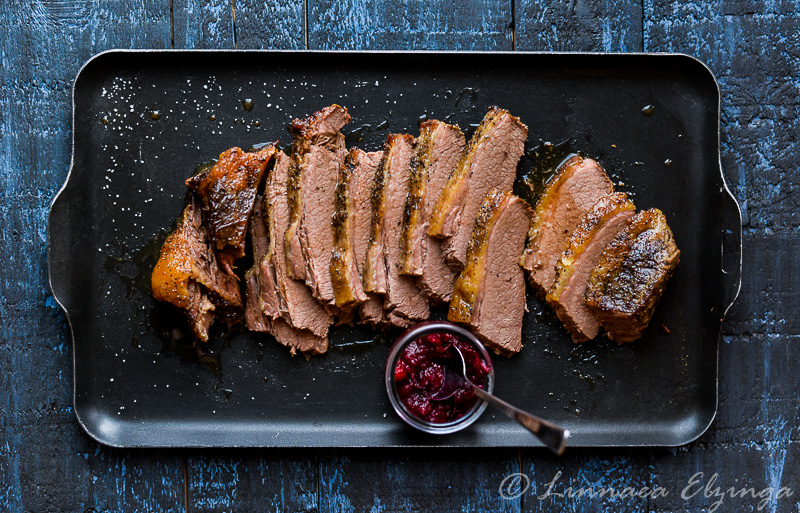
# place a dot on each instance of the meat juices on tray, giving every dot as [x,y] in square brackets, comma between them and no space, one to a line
[403,303]
[189,276]
[318,153]
[228,193]
[490,160]
[577,185]
[438,148]
[630,276]
[584,247]
[352,227]
[489,294]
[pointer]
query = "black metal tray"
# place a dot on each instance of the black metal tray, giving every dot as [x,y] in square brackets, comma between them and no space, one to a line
[143,120]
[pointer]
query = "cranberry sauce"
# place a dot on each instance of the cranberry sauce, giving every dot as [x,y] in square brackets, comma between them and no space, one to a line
[420,372]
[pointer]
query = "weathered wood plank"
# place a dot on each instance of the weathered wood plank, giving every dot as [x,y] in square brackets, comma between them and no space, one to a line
[407,25]
[203,23]
[46,462]
[770,294]
[259,480]
[277,24]
[585,25]
[416,480]
[752,49]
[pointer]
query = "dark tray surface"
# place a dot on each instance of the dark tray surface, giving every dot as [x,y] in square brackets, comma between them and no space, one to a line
[126,188]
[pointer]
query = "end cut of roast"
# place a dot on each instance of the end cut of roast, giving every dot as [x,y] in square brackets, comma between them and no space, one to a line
[630,276]
[318,153]
[438,149]
[189,276]
[584,248]
[490,160]
[569,195]
[228,192]
[489,294]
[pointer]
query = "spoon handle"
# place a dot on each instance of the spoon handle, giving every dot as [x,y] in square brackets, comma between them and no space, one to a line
[553,436]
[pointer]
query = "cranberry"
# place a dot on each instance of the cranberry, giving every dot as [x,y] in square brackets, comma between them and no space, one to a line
[419,374]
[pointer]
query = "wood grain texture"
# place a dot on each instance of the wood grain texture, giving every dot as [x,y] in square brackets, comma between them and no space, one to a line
[47,463]
[278,24]
[579,25]
[410,25]
[454,480]
[203,24]
[247,480]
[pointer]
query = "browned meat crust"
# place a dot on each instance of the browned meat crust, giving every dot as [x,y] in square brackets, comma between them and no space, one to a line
[345,276]
[318,153]
[188,275]
[403,302]
[490,160]
[630,277]
[578,184]
[438,149]
[228,192]
[298,308]
[584,248]
[489,294]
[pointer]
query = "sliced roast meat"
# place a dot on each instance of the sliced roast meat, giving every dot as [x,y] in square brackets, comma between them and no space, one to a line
[345,275]
[318,153]
[354,193]
[188,275]
[585,246]
[228,192]
[296,340]
[269,298]
[403,301]
[299,308]
[254,318]
[438,148]
[577,185]
[489,294]
[630,276]
[490,160]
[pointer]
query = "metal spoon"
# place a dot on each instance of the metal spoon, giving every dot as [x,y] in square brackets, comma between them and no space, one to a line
[553,436]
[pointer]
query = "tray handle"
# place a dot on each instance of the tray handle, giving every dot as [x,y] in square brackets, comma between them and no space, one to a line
[59,246]
[731,249]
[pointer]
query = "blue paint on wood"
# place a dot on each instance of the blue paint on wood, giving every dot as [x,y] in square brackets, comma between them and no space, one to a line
[410,25]
[48,464]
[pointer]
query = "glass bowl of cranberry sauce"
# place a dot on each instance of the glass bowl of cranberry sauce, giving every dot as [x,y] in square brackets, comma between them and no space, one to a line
[415,372]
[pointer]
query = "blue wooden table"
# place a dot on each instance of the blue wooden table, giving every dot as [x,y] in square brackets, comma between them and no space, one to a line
[47,463]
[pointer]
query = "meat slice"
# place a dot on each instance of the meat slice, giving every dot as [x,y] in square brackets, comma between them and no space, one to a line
[577,185]
[345,274]
[489,294]
[298,306]
[585,246]
[438,148]
[188,275]
[352,228]
[403,301]
[318,153]
[254,318]
[630,277]
[228,192]
[489,160]
[269,298]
